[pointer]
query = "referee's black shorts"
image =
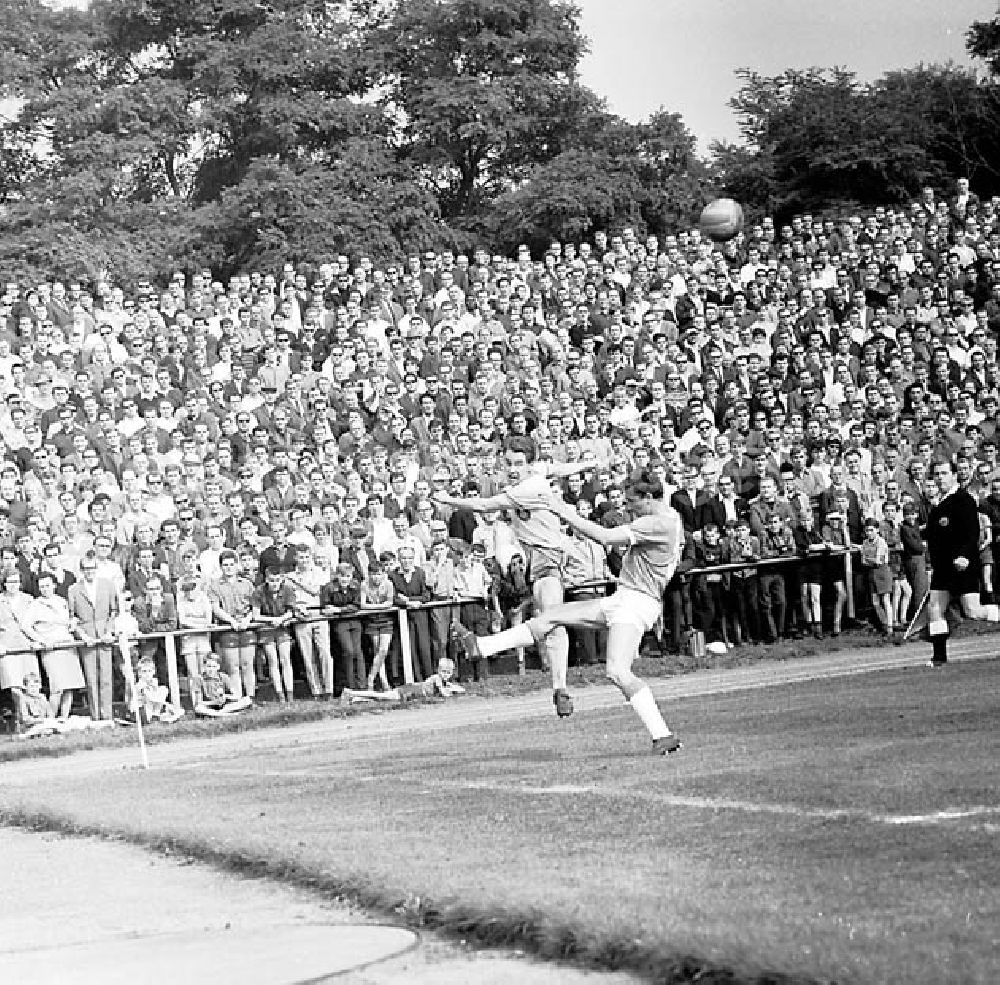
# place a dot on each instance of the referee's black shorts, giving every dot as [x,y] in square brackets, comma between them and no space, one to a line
[956,582]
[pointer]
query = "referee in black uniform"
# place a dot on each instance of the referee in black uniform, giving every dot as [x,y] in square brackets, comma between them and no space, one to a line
[952,535]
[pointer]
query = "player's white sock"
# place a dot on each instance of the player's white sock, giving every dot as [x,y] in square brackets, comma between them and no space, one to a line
[507,640]
[646,708]
[557,647]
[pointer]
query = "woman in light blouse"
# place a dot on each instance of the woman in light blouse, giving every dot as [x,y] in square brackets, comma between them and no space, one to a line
[48,621]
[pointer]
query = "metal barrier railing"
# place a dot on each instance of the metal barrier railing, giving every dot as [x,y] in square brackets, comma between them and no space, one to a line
[402,617]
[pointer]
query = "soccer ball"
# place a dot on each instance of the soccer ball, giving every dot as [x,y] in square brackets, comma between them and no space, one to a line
[721,219]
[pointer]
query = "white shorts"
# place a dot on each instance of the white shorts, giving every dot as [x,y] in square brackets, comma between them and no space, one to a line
[631,608]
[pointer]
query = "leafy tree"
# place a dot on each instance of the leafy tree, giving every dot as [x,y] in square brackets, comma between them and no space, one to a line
[819,139]
[363,202]
[482,91]
[645,175]
[567,199]
[152,134]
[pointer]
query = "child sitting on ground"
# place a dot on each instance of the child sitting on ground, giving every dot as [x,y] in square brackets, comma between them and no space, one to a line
[437,685]
[148,697]
[212,693]
[34,713]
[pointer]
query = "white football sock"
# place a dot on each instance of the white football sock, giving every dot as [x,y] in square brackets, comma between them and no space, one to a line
[646,708]
[507,640]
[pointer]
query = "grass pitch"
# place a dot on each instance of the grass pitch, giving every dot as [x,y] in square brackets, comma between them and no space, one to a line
[838,829]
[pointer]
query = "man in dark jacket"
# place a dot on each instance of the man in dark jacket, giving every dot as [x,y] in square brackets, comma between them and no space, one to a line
[952,534]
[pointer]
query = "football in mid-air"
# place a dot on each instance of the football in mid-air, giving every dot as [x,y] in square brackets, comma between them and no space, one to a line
[721,219]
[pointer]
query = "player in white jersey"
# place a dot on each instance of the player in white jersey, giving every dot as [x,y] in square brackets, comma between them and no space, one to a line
[530,499]
[654,541]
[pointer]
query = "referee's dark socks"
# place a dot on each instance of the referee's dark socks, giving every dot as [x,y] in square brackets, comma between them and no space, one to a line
[937,630]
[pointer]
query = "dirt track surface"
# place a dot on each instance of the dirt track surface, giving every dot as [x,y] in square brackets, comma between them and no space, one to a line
[108,893]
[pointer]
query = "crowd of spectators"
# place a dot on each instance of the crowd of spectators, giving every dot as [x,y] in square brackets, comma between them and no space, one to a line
[237,456]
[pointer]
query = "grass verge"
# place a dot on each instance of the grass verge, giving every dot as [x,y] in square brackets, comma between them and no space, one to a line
[533,931]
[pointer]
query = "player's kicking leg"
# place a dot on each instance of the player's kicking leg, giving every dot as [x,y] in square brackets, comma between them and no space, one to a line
[548,594]
[624,638]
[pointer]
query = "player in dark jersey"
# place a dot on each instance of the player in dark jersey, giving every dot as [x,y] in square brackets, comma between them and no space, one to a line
[654,541]
[952,534]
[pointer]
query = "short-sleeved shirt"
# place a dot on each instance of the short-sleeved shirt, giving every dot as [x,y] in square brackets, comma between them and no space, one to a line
[533,522]
[655,545]
[214,689]
[232,597]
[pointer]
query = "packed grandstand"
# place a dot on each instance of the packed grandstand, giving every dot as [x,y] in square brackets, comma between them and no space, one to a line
[254,462]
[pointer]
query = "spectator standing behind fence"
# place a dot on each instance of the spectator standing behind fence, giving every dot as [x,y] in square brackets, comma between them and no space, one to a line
[311,634]
[93,603]
[157,614]
[472,586]
[342,596]
[194,611]
[875,560]
[48,622]
[914,552]
[708,591]
[838,543]
[376,598]
[744,549]
[230,597]
[777,542]
[811,548]
[14,637]
[411,591]
[440,575]
[273,604]
[891,531]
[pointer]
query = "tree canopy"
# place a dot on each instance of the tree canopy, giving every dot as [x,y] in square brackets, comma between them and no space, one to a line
[821,140]
[147,135]
[151,134]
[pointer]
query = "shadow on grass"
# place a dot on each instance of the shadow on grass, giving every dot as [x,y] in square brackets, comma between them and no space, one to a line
[532,931]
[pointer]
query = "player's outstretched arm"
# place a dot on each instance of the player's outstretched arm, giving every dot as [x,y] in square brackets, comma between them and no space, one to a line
[478,504]
[560,470]
[608,536]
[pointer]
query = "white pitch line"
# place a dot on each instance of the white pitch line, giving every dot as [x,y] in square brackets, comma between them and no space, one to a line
[720,803]
[646,796]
